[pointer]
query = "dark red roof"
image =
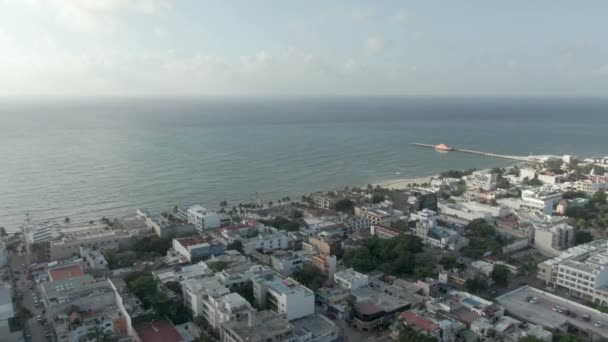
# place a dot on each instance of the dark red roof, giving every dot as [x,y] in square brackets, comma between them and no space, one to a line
[368,308]
[191,241]
[66,272]
[159,331]
[418,321]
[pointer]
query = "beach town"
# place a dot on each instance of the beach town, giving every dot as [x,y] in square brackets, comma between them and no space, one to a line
[505,254]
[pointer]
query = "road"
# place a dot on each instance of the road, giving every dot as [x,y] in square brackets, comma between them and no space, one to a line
[32,325]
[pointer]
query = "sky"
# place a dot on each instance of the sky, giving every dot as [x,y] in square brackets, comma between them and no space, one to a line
[309,48]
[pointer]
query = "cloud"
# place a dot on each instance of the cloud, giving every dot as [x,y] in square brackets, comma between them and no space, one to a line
[400,18]
[363,14]
[93,15]
[375,45]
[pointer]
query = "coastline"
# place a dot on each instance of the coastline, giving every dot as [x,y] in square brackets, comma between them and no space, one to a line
[405,183]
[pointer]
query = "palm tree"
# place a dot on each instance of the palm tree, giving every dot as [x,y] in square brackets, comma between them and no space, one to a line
[223,203]
[100,335]
[66,220]
[270,203]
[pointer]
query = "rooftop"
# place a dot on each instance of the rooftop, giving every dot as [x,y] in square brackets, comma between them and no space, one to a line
[516,304]
[264,325]
[159,331]
[190,241]
[421,322]
[317,325]
[66,272]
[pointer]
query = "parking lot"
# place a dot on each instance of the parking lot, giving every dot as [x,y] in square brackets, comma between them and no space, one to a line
[546,311]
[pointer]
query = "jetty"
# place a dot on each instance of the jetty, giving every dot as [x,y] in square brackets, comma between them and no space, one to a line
[445,148]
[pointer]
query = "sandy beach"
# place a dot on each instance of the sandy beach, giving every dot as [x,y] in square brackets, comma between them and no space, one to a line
[404,183]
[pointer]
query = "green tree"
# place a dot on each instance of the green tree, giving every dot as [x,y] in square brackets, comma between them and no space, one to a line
[310,277]
[530,339]
[217,266]
[501,274]
[101,335]
[599,197]
[66,220]
[377,198]
[582,237]
[400,224]
[448,261]
[344,206]
[3,232]
[224,204]
[476,285]
[480,228]
[236,245]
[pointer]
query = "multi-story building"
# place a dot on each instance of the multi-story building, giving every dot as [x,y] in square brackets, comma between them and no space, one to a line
[581,270]
[284,296]
[286,262]
[593,184]
[82,291]
[100,239]
[325,263]
[194,248]
[350,279]
[6,310]
[420,199]
[554,239]
[481,180]
[260,326]
[323,201]
[198,294]
[93,258]
[542,199]
[377,216]
[326,245]
[383,232]
[203,218]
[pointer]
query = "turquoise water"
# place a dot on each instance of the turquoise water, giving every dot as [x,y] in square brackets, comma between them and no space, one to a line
[90,158]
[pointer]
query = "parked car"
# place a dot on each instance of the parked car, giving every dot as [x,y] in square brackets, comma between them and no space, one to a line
[597,324]
[586,318]
[533,300]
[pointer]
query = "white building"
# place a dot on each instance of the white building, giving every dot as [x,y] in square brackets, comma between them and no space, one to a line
[101,239]
[350,279]
[284,296]
[581,270]
[593,184]
[93,258]
[377,216]
[481,180]
[6,310]
[203,218]
[542,199]
[265,242]
[470,211]
[35,233]
[286,262]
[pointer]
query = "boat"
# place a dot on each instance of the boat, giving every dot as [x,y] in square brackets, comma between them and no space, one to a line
[444,147]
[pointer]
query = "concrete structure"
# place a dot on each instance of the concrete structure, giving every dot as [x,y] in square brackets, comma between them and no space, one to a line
[265,241]
[383,232]
[196,271]
[158,331]
[465,307]
[430,233]
[593,184]
[326,264]
[377,216]
[420,199]
[350,279]
[202,218]
[554,239]
[100,239]
[64,271]
[284,296]
[542,199]
[83,292]
[470,211]
[315,328]
[581,270]
[545,314]
[326,245]
[261,326]
[286,262]
[481,180]
[194,248]
[93,258]
[443,329]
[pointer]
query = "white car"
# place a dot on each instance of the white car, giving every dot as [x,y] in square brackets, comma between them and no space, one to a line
[533,300]
[597,324]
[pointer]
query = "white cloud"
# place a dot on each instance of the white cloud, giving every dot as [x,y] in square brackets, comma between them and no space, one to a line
[375,45]
[400,18]
[363,14]
[92,15]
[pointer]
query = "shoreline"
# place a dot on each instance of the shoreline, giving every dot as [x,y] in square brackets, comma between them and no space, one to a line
[405,183]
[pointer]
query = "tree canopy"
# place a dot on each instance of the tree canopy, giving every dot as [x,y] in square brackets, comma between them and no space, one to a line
[476,285]
[581,237]
[310,277]
[392,256]
[283,223]
[344,206]
[501,274]
[236,245]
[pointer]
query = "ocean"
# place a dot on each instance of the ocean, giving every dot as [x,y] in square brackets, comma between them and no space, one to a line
[92,157]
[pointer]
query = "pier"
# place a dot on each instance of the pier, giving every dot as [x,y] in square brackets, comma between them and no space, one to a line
[481,153]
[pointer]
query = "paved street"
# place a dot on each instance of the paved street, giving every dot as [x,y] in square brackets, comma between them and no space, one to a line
[32,325]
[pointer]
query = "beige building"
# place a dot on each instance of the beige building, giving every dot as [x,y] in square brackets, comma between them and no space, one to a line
[552,240]
[69,245]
